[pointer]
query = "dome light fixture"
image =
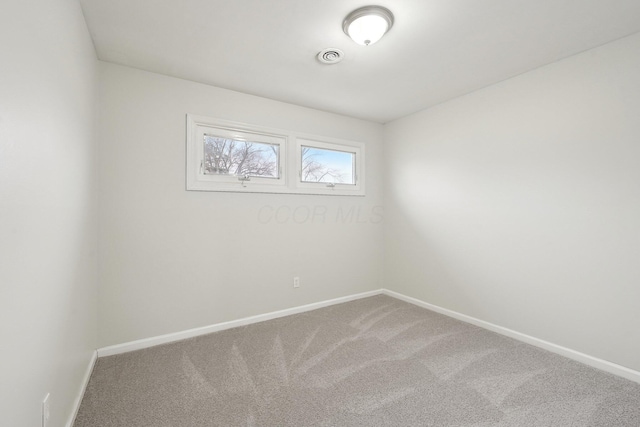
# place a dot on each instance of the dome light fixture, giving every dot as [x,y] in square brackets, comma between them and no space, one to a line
[368,24]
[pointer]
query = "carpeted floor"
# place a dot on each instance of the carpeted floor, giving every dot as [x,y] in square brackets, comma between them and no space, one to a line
[371,362]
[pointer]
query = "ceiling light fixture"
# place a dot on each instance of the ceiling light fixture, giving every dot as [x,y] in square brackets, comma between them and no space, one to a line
[368,24]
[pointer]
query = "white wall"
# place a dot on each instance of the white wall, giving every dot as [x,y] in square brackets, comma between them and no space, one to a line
[519,204]
[172,260]
[48,269]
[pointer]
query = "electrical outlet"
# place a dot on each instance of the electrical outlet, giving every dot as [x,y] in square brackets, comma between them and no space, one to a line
[296,282]
[45,411]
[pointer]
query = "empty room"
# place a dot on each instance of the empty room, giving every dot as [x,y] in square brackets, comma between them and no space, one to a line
[319,213]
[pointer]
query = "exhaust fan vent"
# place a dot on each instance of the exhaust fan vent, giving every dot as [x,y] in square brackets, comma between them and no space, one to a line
[330,55]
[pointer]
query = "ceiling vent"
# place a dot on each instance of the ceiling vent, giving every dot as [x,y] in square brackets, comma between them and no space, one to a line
[330,55]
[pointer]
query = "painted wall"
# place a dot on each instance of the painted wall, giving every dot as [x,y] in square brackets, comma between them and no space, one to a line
[172,260]
[48,271]
[519,204]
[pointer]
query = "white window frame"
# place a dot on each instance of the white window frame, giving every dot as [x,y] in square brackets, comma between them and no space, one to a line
[290,159]
[198,127]
[357,188]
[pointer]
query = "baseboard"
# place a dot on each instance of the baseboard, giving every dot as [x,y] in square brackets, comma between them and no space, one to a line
[177,336]
[85,382]
[595,362]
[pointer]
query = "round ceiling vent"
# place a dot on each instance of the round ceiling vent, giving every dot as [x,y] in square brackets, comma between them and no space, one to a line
[330,55]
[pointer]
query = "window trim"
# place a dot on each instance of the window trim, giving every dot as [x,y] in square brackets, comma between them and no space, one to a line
[290,143]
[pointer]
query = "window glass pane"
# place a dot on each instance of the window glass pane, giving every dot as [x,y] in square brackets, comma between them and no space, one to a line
[321,165]
[224,156]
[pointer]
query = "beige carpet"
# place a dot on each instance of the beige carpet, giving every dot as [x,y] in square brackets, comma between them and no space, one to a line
[372,362]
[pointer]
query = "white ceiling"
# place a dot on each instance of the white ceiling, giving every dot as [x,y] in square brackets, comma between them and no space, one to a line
[436,50]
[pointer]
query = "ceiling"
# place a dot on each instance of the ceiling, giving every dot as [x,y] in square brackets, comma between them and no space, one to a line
[436,50]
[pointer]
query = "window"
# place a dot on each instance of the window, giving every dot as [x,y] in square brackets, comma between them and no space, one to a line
[225,156]
[323,165]
[329,167]
[228,156]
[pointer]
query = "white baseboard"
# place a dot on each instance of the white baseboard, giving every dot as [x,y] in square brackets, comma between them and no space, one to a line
[595,362]
[85,382]
[190,333]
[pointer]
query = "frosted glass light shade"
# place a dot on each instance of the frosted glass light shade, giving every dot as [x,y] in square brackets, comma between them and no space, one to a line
[368,24]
